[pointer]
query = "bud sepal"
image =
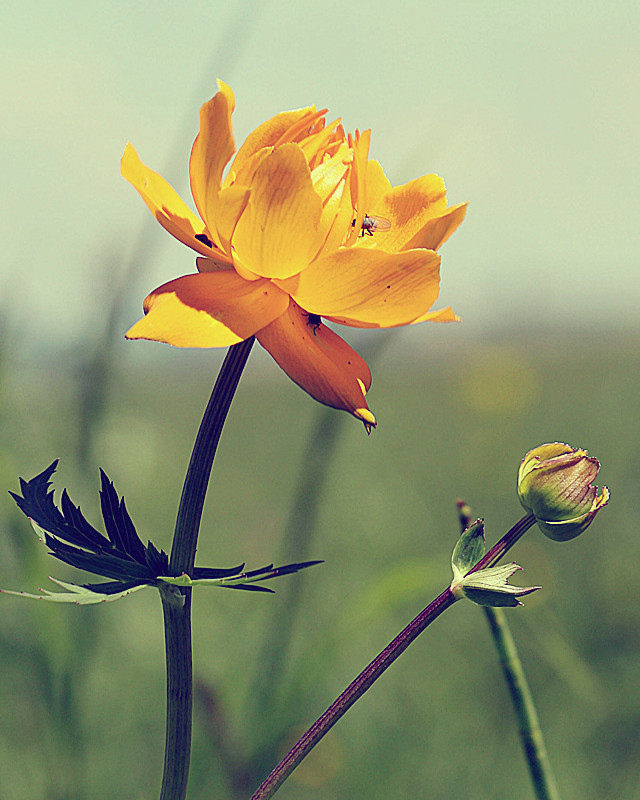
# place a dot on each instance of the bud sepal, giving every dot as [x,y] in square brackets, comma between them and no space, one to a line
[469,549]
[490,587]
[486,587]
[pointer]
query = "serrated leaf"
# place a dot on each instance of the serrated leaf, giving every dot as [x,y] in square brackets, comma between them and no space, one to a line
[118,524]
[121,554]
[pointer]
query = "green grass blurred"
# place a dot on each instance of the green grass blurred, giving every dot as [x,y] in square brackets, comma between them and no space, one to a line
[82,694]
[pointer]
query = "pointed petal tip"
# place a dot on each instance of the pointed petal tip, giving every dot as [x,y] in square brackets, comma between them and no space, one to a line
[132,333]
[367,419]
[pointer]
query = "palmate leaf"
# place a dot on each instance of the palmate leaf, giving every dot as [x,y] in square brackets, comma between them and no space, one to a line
[70,538]
[120,555]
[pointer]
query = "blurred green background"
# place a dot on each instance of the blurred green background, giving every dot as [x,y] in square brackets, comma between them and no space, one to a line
[530,112]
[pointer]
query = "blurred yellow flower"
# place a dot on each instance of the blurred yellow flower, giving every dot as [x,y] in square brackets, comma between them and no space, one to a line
[282,244]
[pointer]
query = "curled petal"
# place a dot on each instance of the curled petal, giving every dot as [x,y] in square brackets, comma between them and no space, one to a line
[274,131]
[408,208]
[164,202]
[353,285]
[320,362]
[437,230]
[277,235]
[315,146]
[307,126]
[209,309]
[211,152]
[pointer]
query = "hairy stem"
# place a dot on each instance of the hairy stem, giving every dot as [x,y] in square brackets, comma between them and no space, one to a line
[380,664]
[353,692]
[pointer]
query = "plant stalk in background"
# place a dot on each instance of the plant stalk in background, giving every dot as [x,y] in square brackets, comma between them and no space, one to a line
[535,751]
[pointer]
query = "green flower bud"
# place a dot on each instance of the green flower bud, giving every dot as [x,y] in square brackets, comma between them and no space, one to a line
[555,483]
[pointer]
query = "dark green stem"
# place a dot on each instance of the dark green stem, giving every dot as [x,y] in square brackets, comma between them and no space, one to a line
[185,537]
[542,777]
[177,751]
[176,603]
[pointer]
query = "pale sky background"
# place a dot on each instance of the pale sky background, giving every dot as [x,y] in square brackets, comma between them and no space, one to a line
[528,110]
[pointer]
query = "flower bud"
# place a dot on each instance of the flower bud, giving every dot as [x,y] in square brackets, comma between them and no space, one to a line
[555,483]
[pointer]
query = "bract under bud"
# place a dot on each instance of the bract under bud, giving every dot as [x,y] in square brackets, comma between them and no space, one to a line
[555,483]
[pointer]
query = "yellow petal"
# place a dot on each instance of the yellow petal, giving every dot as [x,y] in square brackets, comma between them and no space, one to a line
[329,180]
[330,147]
[164,202]
[315,145]
[248,169]
[330,173]
[438,229]
[407,208]
[210,309]
[211,152]
[441,315]
[377,185]
[271,132]
[306,126]
[232,201]
[320,362]
[354,285]
[277,235]
[338,207]
[358,185]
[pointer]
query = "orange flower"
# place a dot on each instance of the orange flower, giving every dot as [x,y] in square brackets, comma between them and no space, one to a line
[282,244]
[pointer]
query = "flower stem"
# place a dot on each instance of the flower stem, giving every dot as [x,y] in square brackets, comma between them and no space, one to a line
[353,692]
[176,603]
[494,555]
[544,783]
[185,537]
[382,662]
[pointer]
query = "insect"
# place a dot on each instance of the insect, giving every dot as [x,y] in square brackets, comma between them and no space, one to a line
[371,224]
[202,237]
[314,320]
